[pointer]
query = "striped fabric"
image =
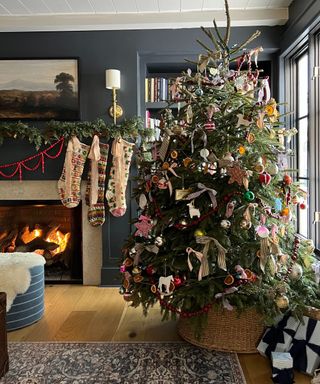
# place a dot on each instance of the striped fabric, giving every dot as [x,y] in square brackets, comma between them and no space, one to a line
[28,307]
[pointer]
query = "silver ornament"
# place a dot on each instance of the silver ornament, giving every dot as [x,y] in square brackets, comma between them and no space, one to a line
[225,224]
[296,272]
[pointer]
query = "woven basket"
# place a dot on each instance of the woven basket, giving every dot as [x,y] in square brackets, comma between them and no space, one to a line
[226,331]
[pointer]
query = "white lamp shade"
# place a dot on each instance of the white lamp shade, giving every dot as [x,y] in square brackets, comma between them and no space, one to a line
[113,79]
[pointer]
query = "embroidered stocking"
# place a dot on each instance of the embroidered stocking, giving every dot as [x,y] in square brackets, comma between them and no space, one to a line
[70,179]
[98,156]
[121,161]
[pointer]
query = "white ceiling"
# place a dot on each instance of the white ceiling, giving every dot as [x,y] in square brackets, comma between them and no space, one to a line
[49,15]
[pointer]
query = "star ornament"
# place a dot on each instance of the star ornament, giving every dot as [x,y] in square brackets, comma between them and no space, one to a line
[237,175]
[144,226]
[242,121]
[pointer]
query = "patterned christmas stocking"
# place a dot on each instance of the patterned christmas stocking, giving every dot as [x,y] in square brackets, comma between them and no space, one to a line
[70,179]
[98,156]
[121,161]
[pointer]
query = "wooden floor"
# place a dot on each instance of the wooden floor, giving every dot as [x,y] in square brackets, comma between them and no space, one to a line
[78,313]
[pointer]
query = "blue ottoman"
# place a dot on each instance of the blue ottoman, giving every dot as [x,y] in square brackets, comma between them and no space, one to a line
[27,308]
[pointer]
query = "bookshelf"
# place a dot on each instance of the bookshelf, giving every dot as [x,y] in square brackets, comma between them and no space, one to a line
[154,74]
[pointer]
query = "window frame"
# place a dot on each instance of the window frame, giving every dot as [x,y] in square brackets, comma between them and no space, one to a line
[288,92]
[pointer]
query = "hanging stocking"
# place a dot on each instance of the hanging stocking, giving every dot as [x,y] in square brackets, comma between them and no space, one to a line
[70,179]
[121,160]
[98,156]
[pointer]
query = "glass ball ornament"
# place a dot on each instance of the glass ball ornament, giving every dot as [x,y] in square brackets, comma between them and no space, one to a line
[199,232]
[282,302]
[303,205]
[198,92]
[262,231]
[225,224]
[249,196]
[177,281]
[159,241]
[287,180]
[183,222]
[296,272]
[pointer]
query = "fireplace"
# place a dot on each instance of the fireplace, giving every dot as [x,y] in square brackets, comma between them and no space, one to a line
[47,228]
[46,192]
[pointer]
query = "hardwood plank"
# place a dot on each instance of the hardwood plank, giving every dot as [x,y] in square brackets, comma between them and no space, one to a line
[74,326]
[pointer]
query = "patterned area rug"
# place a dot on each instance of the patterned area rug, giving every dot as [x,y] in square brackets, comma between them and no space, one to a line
[125,363]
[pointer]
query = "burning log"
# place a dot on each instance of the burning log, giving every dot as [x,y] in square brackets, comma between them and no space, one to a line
[8,243]
[37,243]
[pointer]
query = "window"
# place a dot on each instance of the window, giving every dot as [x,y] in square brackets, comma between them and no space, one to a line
[302,150]
[302,86]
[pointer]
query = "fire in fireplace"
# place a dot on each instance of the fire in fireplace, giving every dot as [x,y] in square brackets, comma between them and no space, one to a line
[47,228]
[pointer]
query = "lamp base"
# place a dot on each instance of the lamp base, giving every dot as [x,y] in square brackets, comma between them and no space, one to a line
[119,111]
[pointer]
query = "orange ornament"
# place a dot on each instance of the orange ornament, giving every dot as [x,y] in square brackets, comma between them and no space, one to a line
[187,161]
[285,212]
[229,280]
[287,179]
[165,165]
[174,154]
[249,274]
[155,179]
[242,150]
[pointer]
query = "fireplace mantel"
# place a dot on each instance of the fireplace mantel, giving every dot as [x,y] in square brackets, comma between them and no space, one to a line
[91,236]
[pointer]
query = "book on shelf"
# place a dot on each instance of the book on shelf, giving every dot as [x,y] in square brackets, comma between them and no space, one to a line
[157,89]
[153,124]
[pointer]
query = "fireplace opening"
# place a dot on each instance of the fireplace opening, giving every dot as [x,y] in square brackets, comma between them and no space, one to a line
[47,228]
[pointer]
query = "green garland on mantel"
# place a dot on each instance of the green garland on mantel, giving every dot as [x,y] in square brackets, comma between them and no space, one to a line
[53,130]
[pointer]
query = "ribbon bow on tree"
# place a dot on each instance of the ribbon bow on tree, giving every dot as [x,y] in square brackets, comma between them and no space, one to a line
[204,266]
[225,301]
[212,194]
[206,240]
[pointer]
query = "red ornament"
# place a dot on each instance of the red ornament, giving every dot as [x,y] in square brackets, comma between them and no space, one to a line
[209,126]
[287,179]
[265,178]
[150,270]
[177,281]
[303,205]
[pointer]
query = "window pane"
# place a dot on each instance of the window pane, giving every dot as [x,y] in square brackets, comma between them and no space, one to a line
[302,69]
[303,213]
[303,147]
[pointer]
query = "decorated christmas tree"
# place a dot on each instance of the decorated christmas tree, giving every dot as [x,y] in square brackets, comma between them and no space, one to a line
[217,198]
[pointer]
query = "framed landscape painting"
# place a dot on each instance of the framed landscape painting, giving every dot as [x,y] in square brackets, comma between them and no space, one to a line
[39,89]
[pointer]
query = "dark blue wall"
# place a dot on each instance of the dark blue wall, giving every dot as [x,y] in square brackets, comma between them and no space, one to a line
[302,16]
[97,51]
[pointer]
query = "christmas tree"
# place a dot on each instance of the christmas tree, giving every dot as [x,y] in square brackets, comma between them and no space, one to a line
[217,200]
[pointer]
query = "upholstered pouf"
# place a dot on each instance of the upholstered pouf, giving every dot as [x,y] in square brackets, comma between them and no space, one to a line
[28,307]
[4,359]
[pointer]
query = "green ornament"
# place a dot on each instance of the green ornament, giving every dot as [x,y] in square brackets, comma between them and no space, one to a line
[199,92]
[249,196]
